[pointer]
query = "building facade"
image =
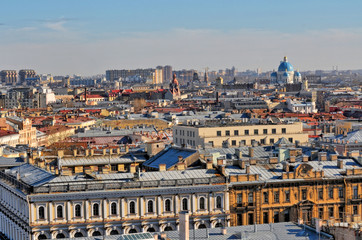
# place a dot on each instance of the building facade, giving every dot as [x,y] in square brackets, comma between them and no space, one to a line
[9,77]
[52,207]
[218,135]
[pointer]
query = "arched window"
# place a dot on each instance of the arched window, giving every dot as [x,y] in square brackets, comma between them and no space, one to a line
[150,206]
[132,207]
[77,210]
[60,211]
[95,209]
[168,205]
[42,236]
[184,204]
[41,212]
[168,228]
[132,230]
[202,203]
[113,208]
[218,202]
[60,235]
[114,232]
[78,234]
[96,233]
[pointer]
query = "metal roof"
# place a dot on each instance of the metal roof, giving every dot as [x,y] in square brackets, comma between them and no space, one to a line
[169,157]
[31,175]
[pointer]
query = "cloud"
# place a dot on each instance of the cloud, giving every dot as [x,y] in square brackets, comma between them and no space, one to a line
[185,48]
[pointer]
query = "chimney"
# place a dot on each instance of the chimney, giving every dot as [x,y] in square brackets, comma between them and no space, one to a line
[86,152]
[180,166]
[132,168]
[340,164]
[155,236]
[273,160]
[92,152]
[118,151]
[209,165]
[162,167]
[292,159]
[241,164]
[305,158]
[184,233]
[251,152]
[220,161]
[104,151]
[61,153]
[75,152]
[248,169]
[322,156]
[333,157]
[224,231]
[238,153]
[126,148]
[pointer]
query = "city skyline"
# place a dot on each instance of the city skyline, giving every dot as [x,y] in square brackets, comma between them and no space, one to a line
[78,38]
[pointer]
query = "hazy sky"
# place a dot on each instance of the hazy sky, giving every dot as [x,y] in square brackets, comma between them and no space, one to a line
[88,37]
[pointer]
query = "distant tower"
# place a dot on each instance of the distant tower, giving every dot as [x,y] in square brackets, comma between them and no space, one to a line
[206,77]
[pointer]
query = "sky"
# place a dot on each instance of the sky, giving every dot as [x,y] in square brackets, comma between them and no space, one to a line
[88,37]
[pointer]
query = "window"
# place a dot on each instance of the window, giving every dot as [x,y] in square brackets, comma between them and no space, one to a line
[77,210]
[320,193]
[59,211]
[218,133]
[132,207]
[304,194]
[113,208]
[265,217]
[150,206]
[287,196]
[250,197]
[227,133]
[212,143]
[114,168]
[284,130]
[331,211]
[320,213]
[236,132]
[218,202]
[276,197]
[256,132]
[355,209]
[168,205]
[262,141]
[290,140]
[265,131]
[271,141]
[340,192]
[246,132]
[355,192]
[233,142]
[266,197]
[239,198]
[330,193]
[202,203]
[95,209]
[341,212]
[274,131]
[184,204]
[41,212]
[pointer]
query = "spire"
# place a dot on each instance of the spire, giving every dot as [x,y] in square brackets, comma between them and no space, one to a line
[285,59]
[206,77]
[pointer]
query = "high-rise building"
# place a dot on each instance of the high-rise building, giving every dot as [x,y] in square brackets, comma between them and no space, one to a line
[26,73]
[114,75]
[167,73]
[158,77]
[9,77]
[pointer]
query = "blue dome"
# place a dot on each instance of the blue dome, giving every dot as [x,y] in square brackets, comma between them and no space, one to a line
[285,66]
[274,74]
[285,74]
[297,74]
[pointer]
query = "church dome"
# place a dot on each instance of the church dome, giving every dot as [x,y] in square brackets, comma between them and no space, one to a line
[285,66]
[285,74]
[274,74]
[297,74]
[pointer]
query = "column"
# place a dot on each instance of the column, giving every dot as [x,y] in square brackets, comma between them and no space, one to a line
[193,203]
[69,211]
[105,214]
[122,208]
[227,207]
[87,210]
[210,203]
[141,211]
[159,204]
[176,210]
[50,212]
